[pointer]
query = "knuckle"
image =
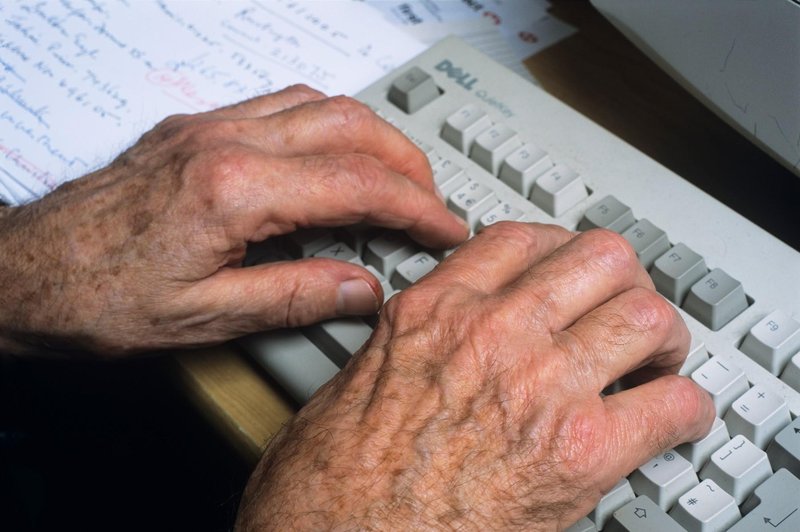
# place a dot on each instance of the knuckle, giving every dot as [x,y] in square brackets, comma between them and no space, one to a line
[576,444]
[303,91]
[667,421]
[610,250]
[650,311]
[168,128]
[220,168]
[349,114]
[689,397]
[402,308]
[515,233]
[421,308]
[174,121]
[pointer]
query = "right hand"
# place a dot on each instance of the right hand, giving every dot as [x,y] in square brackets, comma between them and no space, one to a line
[476,404]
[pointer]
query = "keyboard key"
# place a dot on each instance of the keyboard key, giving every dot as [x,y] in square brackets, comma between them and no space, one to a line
[608,213]
[412,90]
[706,508]
[619,495]
[664,478]
[676,271]
[387,251]
[424,147]
[264,252]
[773,507]
[642,515]
[791,373]
[356,236]
[647,240]
[772,341]
[297,364]
[339,338]
[523,166]
[715,299]
[304,243]
[698,452]
[723,380]
[471,201]
[584,525]
[492,146]
[784,451]
[738,467]
[461,128]
[339,251]
[759,415]
[412,270]
[448,176]
[558,190]
[697,357]
[500,213]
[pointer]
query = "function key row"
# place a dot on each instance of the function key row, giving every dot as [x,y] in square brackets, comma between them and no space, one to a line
[774,343]
[713,297]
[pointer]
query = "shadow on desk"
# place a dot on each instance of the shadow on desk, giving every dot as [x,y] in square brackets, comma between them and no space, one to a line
[91,446]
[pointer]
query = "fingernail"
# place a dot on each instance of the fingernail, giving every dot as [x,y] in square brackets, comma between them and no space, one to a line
[463,223]
[356,298]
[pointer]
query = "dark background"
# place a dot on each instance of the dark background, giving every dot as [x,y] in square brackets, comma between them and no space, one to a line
[109,446]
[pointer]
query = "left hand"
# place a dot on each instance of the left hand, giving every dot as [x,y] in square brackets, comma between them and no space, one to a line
[145,253]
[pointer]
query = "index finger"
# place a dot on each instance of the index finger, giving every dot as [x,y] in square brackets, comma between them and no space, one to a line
[328,190]
[341,125]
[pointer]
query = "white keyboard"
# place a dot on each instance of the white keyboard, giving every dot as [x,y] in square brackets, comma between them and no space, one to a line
[502,149]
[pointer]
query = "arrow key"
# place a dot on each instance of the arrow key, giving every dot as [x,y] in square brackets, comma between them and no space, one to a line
[642,515]
[784,451]
[773,507]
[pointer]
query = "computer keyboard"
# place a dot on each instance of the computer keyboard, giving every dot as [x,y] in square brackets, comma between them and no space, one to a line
[502,149]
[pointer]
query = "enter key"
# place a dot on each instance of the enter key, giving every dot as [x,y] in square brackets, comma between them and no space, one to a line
[774,506]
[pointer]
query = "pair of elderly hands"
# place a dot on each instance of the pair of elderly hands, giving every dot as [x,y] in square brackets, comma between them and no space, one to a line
[477,401]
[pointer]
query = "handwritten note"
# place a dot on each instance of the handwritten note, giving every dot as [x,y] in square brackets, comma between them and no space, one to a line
[80,80]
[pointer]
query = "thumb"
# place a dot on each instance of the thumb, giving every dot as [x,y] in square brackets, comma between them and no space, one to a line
[289,294]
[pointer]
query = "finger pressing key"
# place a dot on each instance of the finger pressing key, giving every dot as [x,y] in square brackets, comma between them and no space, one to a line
[342,125]
[634,329]
[582,274]
[498,255]
[651,418]
[339,190]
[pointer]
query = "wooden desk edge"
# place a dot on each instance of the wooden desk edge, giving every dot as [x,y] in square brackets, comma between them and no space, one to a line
[237,400]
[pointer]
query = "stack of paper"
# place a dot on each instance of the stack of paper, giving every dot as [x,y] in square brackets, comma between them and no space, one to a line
[81,80]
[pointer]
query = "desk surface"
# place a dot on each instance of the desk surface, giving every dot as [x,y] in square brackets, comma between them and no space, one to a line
[599,73]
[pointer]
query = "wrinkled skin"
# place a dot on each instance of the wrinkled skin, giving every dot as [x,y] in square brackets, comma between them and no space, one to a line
[477,402]
[142,254]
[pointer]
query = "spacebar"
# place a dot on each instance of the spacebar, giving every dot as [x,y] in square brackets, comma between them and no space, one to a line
[339,338]
[292,360]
